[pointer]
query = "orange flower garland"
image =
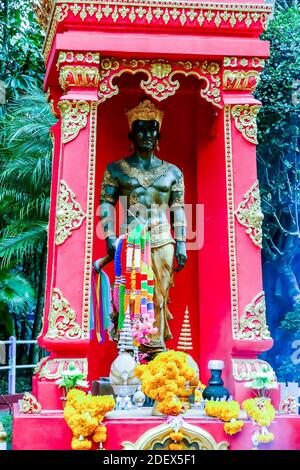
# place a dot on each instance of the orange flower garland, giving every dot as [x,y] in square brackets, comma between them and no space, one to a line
[227,411]
[164,379]
[84,415]
[176,437]
[262,412]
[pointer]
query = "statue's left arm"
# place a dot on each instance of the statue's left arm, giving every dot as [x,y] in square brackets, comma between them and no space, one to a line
[178,218]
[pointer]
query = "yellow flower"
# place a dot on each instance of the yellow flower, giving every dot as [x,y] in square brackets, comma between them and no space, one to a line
[223,410]
[233,427]
[164,379]
[170,407]
[265,438]
[259,410]
[176,436]
[81,444]
[84,414]
[175,446]
[99,437]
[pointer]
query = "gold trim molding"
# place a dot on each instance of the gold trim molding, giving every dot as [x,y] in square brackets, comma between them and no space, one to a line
[87,279]
[74,118]
[255,62]
[162,13]
[253,324]
[231,227]
[53,368]
[245,120]
[247,369]
[249,214]
[70,57]
[160,82]
[69,214]
[160,434]
[62,318]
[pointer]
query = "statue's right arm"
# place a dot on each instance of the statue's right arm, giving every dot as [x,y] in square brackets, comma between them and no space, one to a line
[108,199]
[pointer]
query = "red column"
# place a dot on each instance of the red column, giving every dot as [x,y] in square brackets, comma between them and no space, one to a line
[65,331]
[233,323]
[250,332]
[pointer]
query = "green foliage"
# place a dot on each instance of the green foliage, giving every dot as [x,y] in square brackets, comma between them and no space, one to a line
[71,378]
[278,132]
[279,176]
[16,295]
[291,322]
[263,381]
[288,372]
[25,159]
[25,177]
[6,420]
[20,56]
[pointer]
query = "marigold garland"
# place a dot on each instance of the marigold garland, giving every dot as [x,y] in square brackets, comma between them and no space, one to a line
[84,415]
[266,438]
[227,411]
[224,410]
[164,379]
[81,444]
[233,427]
[175,446]
[259,410]
[176,436]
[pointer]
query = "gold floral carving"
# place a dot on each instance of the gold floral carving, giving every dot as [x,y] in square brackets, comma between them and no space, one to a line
[231,227]
[89,222]
[78,75]
[158,437]
[74,118]
[160,82]
[245,120]
[42,10]
[240,79]
[78,57]
[249,214]
[53,368]
[248,369]
[253,325]
[29,404]
[69,215]
[61,320]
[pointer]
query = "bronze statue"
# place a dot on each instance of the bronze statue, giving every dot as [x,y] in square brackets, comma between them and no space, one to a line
[149,187]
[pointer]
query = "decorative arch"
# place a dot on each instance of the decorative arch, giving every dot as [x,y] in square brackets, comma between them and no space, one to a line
[157,438]
[160,73]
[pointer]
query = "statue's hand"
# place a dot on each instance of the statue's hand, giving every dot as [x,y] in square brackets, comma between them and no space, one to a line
[180,255]
[111,246]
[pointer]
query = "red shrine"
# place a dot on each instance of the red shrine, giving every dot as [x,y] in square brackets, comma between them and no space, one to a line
[200,63]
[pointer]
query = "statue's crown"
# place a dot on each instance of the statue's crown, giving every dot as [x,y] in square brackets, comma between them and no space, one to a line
[145,111]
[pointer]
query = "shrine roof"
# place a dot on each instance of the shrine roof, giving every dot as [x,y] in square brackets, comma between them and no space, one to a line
[233,18]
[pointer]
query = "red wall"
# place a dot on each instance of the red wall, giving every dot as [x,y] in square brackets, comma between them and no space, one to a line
[177,146]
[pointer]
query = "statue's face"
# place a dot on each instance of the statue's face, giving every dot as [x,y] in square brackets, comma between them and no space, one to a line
[145,135]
